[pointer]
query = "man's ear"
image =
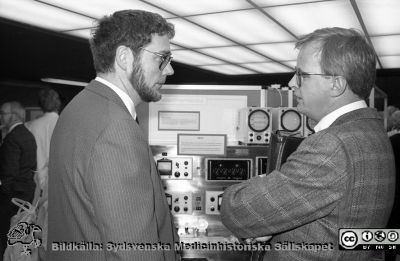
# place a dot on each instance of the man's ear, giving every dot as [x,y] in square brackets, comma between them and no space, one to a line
[123,57]
[339,86]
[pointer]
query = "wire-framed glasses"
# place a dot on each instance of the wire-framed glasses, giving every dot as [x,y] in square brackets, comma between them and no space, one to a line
[165,58]
[300,74]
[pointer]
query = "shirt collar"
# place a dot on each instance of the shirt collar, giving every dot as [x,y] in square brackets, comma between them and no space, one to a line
[124,97]
[327,121]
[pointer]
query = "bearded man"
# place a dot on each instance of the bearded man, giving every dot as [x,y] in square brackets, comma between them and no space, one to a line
[104,190]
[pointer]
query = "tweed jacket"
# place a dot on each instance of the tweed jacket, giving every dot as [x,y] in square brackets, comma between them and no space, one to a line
[340,177]
[105,195]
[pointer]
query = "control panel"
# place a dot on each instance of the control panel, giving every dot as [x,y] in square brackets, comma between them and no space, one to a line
[180,203]
[213,202]
[195,199]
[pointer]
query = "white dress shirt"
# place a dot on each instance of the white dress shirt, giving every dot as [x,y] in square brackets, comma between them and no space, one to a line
[124,97]
[326,121]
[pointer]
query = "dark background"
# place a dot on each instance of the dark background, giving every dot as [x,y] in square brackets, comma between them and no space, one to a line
[29,54]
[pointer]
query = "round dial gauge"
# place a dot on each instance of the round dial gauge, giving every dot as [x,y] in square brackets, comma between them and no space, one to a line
[258,120]
[291,120]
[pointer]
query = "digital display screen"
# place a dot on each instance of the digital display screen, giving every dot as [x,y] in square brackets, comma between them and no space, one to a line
[228,169]
[164,167]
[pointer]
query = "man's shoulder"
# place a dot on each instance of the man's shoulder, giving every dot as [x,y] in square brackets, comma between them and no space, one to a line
[362,115]
[46,118]
[35,123]
[362,128]
[96,101]
[21,129]
[20,134]
[89,113]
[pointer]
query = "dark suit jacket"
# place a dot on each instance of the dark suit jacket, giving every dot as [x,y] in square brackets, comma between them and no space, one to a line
[103,183]
[340,177]
[17,165]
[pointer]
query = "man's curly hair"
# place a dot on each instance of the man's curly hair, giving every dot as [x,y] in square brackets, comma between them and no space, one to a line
[131,28]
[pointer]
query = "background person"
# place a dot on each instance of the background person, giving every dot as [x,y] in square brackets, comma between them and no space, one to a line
[340,177]
[42,129]
[104,186]
[17,164]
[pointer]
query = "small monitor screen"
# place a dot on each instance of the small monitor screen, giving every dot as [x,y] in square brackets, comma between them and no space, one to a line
[164,167]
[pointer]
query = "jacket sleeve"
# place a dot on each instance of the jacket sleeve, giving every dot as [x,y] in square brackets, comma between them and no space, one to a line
[120,186]
[306,188]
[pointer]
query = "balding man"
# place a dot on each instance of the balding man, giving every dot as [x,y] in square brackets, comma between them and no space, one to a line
[17,165]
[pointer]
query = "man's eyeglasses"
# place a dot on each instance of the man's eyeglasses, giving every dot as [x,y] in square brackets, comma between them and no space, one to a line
[165,58]
[300,74]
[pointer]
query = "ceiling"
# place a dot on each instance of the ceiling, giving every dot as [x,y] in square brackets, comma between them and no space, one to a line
[231,37]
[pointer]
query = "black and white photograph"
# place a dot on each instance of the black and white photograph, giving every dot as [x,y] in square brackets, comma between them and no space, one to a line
[199,130]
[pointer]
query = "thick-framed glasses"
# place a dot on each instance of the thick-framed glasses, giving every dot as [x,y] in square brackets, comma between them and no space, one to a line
[300,74]
[165,58]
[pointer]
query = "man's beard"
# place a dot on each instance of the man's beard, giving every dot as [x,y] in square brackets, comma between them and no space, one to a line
[146,93]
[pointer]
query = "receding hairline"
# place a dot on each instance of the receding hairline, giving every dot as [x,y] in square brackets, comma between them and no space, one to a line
[13,105]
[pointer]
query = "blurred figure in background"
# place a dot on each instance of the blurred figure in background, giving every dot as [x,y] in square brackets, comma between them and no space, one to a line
[42,129]
[17,165]
[393,120]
